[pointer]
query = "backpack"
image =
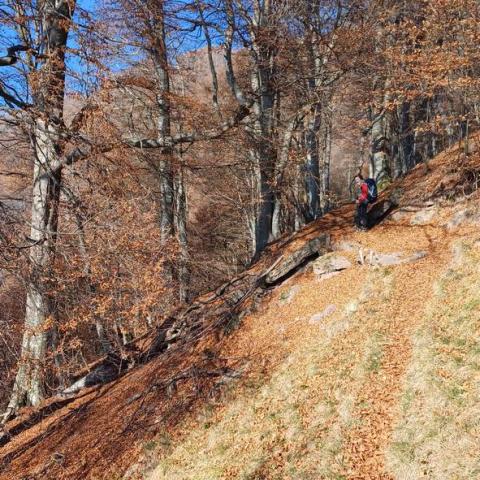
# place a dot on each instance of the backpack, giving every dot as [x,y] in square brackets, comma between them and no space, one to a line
[372,190]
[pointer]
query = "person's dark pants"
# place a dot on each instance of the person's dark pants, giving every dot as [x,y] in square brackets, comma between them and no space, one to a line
[361,216]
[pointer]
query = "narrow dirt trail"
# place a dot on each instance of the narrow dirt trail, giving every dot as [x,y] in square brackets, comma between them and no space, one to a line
[377,402]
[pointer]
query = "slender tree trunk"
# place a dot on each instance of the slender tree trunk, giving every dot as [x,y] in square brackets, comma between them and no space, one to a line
[183,273]
[314,175]
[171,182]
[325,167]
[381,124]
[263,129]
[299,218]
[279,173]
[228,47]
[265,213]
[380,159]
[312,169]
[48,93]
[404,158]
[276,218]
[312,164]
[165,170]
[211,63]
[252,211]
[166,200]
[28,387]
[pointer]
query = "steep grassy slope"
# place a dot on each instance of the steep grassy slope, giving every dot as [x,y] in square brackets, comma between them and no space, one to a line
[321,397]
[368,373]
[383,384]
[437,431]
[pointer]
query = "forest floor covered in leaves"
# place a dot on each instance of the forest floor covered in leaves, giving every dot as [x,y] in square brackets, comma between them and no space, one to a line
[369,373]
[342,398]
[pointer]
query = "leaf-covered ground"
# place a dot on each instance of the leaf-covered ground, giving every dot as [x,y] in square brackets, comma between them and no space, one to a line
[384,386]
[372,373]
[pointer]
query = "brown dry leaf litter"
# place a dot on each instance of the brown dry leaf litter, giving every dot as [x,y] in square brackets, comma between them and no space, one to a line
[375,404]
[316,400]
[321,407]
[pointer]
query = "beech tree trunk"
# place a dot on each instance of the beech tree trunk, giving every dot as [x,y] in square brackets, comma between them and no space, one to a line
[180,216]
[325,164]
[172,201]
[28,387]
[252,211]
[264,94]
[403,160]
[317,130]
[381,141]
[280,166]
[211,62]
[262,153]
[55,17]
[165,170]
[312,164]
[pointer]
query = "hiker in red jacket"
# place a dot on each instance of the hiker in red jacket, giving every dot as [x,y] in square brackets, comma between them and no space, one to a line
[368,194]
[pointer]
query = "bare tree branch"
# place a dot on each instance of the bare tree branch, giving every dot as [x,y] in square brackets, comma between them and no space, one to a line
[242,113]
[11,57]
[10,100]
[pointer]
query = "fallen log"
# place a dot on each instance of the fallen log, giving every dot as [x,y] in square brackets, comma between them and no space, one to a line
[291,261]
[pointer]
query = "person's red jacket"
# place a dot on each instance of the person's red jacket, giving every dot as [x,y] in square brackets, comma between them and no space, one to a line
[364,193]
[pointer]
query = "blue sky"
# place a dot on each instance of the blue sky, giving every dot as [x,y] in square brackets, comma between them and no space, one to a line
[12,76]
[79,78]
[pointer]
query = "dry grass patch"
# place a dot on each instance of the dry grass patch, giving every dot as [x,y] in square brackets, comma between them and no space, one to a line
[438,435]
